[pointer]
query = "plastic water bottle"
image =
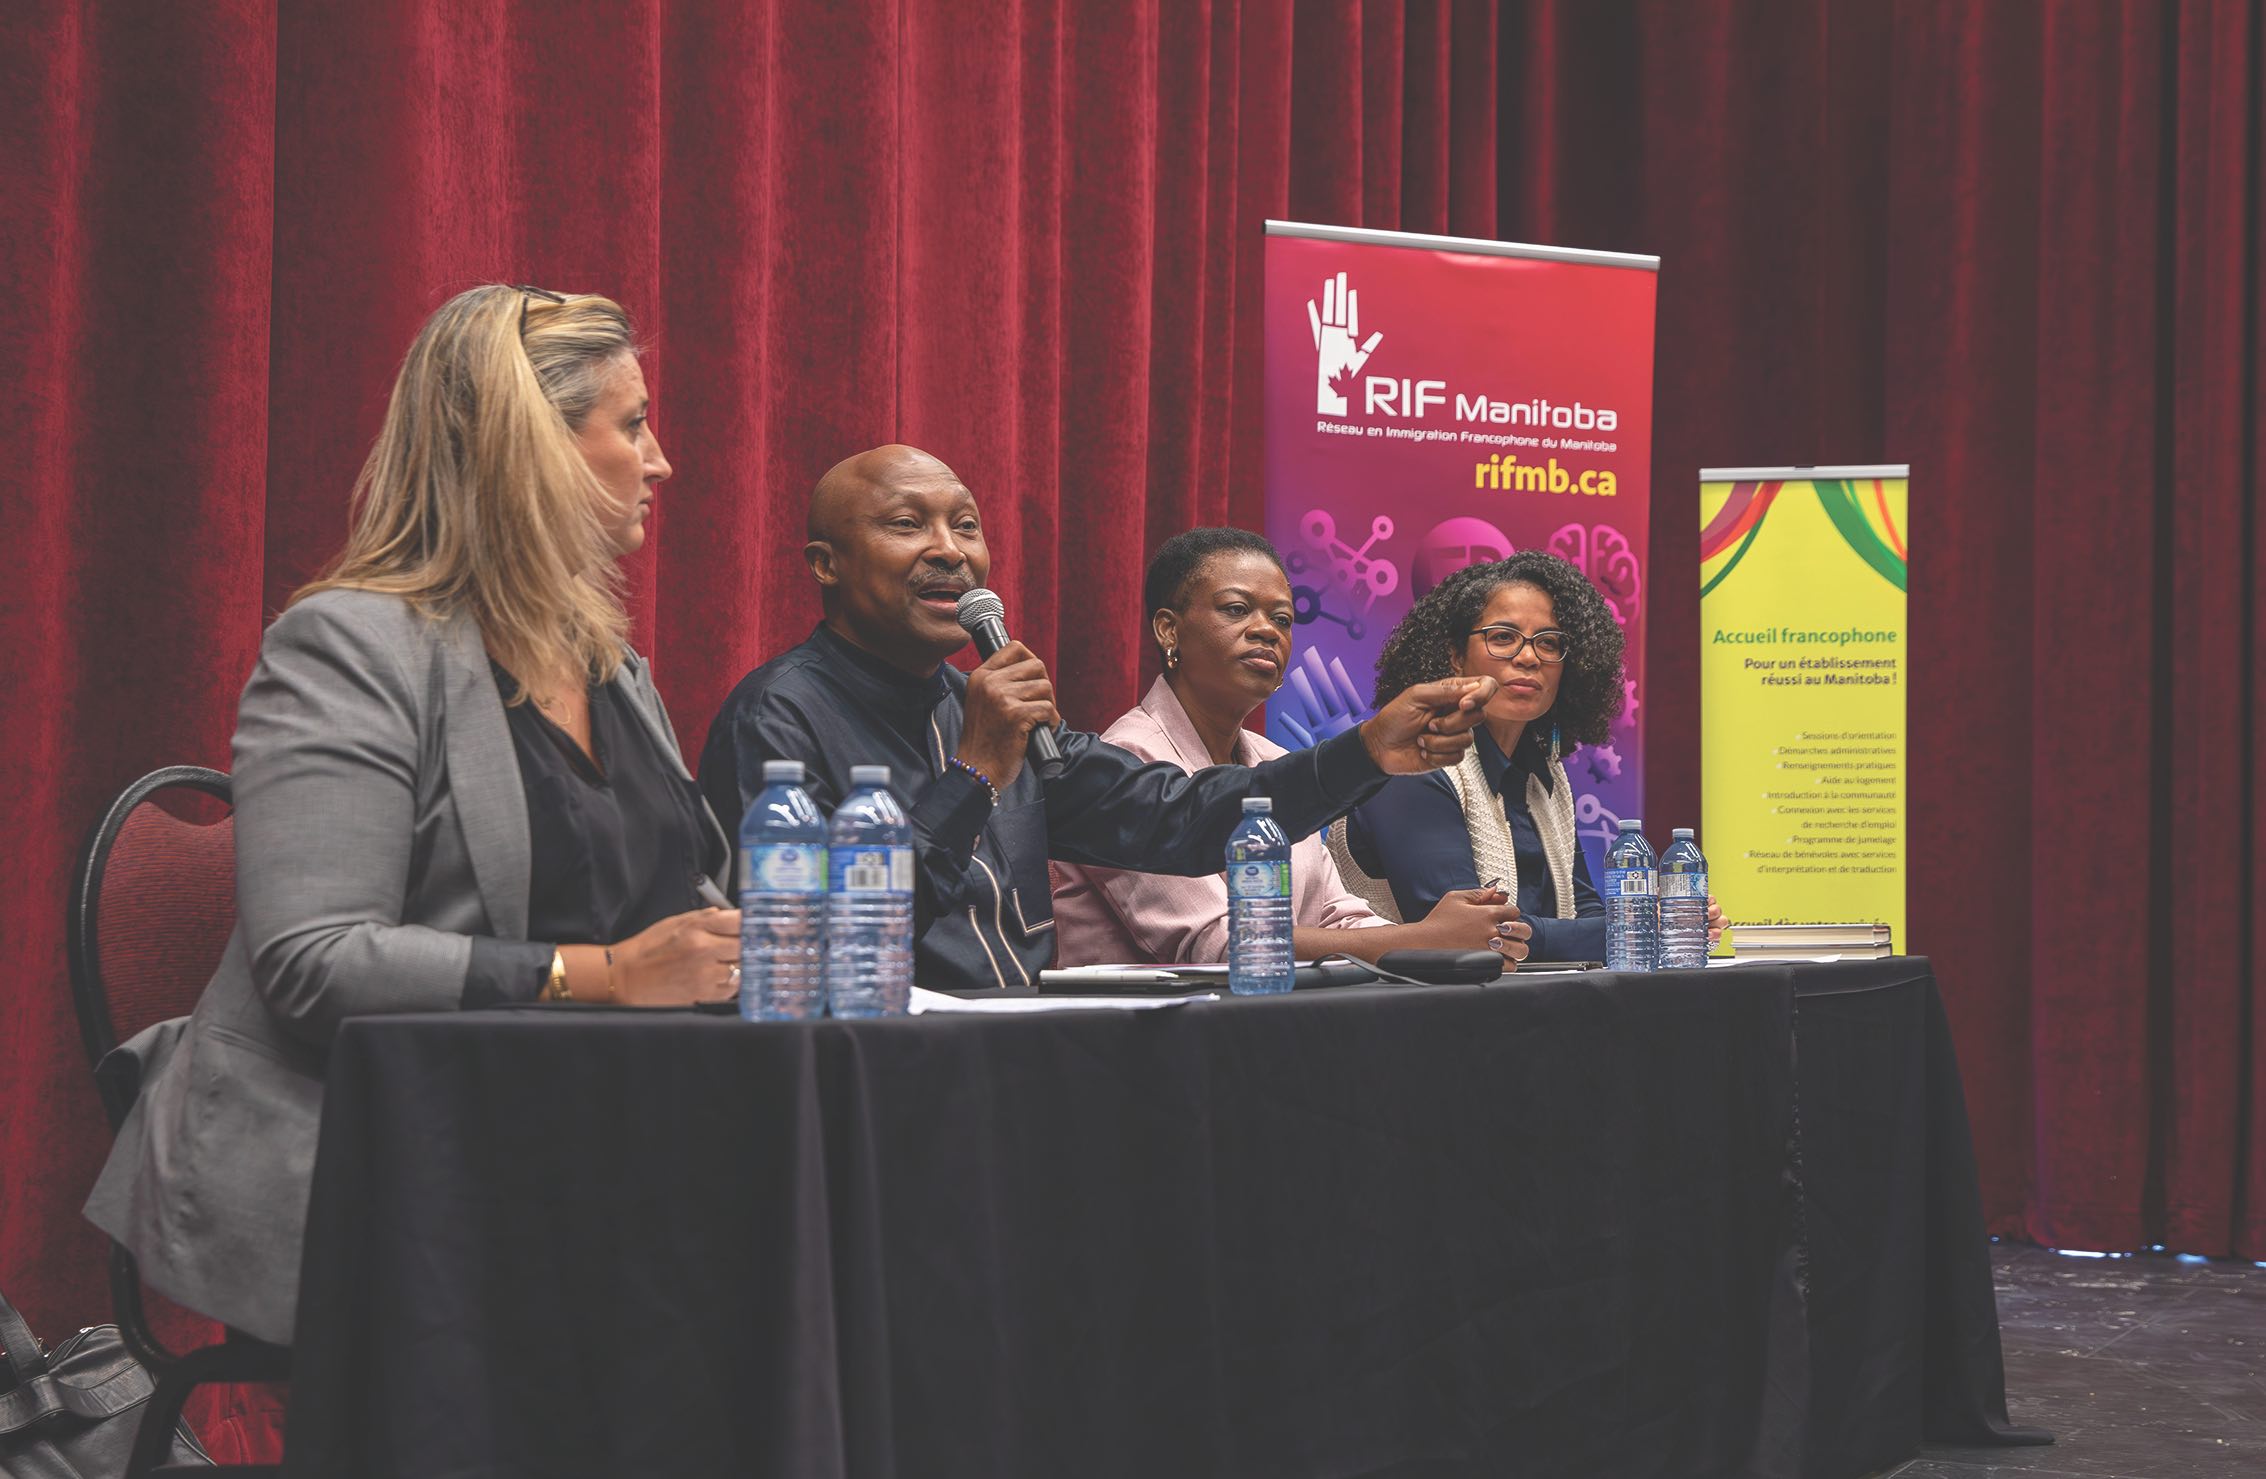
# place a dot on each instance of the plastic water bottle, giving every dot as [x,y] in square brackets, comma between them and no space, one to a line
[1683,904]
[1259,958]
[782,898]
[1632,902]
[869,900]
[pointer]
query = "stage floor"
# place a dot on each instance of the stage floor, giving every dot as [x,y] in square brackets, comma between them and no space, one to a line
[2143,1367]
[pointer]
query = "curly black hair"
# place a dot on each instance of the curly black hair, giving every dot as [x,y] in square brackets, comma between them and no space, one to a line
[1165,587]
[1591,692]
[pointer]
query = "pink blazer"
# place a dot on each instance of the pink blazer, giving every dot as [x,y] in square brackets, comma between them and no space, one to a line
[1110,916]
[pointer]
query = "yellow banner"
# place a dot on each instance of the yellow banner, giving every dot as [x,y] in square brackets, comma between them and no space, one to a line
[1802,680]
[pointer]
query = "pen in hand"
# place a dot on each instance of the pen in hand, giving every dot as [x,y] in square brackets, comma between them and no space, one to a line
[1496,885]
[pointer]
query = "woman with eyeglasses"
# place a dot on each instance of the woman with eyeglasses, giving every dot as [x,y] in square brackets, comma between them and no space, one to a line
[454,786]
[1219,610]
[1505,815]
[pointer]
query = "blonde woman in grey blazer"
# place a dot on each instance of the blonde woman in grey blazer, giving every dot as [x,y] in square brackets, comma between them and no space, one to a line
[469,642]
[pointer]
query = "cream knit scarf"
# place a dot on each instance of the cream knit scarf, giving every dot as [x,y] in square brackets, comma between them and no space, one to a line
[1492,852]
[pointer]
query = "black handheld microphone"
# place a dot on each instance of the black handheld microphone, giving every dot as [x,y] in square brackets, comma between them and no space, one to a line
[984,617]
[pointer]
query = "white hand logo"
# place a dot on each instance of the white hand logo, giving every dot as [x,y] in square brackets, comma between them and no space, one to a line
[1338,357]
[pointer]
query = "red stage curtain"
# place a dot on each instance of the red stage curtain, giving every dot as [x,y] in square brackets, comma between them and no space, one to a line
[2017,245]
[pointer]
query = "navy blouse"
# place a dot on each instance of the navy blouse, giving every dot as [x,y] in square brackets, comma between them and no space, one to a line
[1412,834]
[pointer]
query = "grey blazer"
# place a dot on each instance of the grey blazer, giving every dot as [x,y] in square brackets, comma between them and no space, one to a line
[380,825]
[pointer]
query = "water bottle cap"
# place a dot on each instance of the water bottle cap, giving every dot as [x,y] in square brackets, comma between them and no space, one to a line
[789,771]
[869,775]
[1259,805]
[1631,824]
[1684,833]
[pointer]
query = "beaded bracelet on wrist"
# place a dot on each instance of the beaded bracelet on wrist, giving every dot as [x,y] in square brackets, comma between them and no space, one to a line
[958,764]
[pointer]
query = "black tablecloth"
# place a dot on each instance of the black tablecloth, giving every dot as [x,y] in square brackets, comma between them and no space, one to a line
[1544,1227]
[1903,1318]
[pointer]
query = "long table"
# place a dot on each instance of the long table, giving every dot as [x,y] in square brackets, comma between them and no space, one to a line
[1903,1318]
[1558,1225]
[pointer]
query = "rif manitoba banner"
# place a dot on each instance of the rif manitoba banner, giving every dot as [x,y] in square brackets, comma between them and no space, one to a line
[1803,674]
[1433,402]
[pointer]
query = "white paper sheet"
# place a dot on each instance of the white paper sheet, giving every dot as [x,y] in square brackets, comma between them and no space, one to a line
[937,1001]
[1715,961]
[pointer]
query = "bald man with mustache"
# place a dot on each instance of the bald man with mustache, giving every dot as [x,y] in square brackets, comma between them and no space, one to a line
[894,538]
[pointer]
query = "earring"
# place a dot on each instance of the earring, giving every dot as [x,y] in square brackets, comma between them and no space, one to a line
[1553,739]
[1171,657]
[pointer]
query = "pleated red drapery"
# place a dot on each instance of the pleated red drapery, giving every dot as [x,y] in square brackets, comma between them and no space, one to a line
[2015,245]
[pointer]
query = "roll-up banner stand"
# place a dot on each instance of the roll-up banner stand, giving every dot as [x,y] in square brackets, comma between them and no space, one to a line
[1433,402]
[1803,672]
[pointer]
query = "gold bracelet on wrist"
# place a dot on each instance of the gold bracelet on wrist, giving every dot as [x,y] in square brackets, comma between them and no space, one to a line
[556,989]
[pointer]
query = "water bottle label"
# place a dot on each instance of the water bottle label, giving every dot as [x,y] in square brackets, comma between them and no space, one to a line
[1258,880]
[1683,885]
[872,870]
[784,868]
[1628,883]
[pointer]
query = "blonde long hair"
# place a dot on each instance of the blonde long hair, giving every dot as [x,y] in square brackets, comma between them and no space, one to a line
[476,499]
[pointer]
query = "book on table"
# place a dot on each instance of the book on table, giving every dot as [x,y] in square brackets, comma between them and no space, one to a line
[1858,940]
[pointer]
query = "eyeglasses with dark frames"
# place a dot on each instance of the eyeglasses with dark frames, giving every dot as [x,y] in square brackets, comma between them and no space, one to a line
[1507,642]
[528,295]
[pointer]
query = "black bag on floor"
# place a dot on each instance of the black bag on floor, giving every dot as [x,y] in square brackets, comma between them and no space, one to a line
[72,1412]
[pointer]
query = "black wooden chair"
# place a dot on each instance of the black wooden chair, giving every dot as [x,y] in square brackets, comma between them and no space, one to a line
[153,902]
